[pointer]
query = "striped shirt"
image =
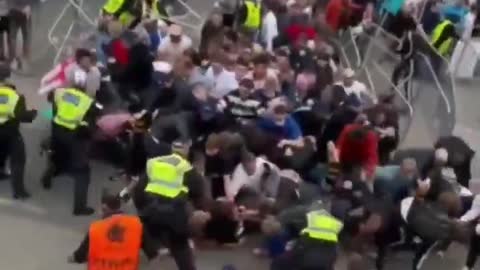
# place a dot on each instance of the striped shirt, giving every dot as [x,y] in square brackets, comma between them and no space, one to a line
[240,108]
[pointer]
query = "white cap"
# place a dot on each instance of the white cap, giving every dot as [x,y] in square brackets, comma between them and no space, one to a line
[441,154]
[348,73]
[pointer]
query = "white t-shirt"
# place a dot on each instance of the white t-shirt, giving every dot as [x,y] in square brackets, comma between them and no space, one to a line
[240,179]
[175,49]
[269,30]
[223,83]
[359,89]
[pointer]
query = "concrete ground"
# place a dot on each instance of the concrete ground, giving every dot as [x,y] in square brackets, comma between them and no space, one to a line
[40,233]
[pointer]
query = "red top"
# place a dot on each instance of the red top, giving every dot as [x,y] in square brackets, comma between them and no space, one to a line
[119,51]
[335,13]
[294,31]
[362,152]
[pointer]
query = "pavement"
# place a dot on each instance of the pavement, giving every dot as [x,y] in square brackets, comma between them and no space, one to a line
[39,234]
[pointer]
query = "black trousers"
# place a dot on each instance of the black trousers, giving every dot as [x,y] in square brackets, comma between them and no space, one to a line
[307,257]
[401,71]
[70,155]
[167,222]
[12,148]
[19,22]
[473,251]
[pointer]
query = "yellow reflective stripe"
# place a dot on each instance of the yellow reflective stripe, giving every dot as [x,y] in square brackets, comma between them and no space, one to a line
[112,6]
[9,100]
[253,15]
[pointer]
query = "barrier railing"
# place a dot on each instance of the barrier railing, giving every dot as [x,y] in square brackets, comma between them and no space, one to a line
[77,7]
[427,93]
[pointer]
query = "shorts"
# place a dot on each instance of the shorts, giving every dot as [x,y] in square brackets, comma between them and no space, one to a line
[4,24]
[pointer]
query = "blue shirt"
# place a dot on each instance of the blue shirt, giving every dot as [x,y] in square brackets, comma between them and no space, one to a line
[290,129]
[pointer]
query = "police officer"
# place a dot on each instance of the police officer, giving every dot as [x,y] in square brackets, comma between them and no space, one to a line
[116,236]
[126,11]
[162,201]
[317,246]
[154,9]
[443,37]
[73,111]
[250,16]
[12,147]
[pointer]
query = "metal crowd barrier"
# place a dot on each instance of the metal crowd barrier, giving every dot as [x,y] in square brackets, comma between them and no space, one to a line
[77,7]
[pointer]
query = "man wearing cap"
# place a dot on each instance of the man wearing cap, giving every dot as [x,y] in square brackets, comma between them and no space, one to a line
[355,87]
[175,43]
[13,112]
[73,112]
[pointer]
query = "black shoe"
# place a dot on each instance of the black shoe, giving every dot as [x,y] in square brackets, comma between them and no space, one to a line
[21,195]
[87,211]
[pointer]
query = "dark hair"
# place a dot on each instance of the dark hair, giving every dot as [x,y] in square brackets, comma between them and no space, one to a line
[111,201]
[194,56]
[242,61]
[81,53]
[359,133]
[261,59]
[231,35]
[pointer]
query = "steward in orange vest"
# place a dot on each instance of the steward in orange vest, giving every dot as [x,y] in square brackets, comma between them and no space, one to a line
[114,243]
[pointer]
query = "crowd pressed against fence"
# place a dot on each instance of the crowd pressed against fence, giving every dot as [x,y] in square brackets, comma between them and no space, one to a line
[260,131]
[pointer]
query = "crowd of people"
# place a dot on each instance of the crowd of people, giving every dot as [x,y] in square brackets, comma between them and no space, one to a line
[261,129]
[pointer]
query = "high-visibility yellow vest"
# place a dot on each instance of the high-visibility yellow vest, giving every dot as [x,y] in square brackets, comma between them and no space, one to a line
[72,105]
[126,18]
[254,15]
[8,101]
[322,226]
[154,11]
[112,6]
[165,175]
[444,48]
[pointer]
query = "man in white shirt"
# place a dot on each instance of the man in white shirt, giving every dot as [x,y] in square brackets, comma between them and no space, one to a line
[255,173]
[224,80]
[269,30]
[175,43]
[353,86]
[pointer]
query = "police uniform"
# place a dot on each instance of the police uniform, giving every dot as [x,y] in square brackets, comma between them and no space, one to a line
[250,16]
[154,10]
[12,113]
[123,10]
[72,109]
[443,37]
[317,246]
[166,210]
